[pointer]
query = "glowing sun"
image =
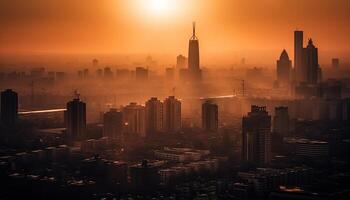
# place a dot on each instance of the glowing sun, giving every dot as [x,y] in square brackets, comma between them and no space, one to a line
[160,7]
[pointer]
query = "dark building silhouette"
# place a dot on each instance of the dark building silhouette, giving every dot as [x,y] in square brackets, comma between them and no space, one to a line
[135,119]
[107,72]
[281,121]
[210,120]
[154,116]
[194,70]
[298,60]
[172,114]
[113,124]
[9,107]
[75,118]
[310,64]
[181,62]
[141,74]
[284,67]
[256,136]
[144,176]
[95,62]
[335,63]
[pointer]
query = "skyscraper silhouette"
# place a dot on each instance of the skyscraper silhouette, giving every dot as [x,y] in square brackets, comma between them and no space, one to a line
[256,136]
[284,66]
[310,64]
[154,116]
[172,114]
[135,119]
[76,119]
[181,62]
[193,57]
[210,121]
[298,61]
[113,124]
[9,107]
[281,121]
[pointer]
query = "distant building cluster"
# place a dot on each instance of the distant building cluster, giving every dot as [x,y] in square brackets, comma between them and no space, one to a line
[265,180]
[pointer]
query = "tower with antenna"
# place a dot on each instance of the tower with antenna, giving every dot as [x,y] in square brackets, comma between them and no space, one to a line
[193,56]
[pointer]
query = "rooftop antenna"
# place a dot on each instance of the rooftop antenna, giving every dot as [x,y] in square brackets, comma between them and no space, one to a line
[194,29]
[194,37]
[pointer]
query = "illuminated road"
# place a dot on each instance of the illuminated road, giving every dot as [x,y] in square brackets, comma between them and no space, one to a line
[63,109]
[41,111]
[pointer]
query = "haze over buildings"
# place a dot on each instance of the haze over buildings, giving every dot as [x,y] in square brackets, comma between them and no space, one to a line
[229,110]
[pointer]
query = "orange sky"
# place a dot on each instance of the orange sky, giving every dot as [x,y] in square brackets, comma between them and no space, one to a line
[227,29]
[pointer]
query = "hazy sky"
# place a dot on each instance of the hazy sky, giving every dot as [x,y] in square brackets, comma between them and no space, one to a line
[227,29]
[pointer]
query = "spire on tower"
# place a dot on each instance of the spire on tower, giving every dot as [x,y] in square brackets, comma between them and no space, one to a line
[194,37]
[194,29]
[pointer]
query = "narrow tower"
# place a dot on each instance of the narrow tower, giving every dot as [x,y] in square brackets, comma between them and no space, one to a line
[298,60]
[193,56]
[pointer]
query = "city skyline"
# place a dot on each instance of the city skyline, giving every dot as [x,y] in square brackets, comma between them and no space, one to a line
[245,33]
[245,107]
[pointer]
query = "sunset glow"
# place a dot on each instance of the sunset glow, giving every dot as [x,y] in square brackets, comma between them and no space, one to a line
[160,6]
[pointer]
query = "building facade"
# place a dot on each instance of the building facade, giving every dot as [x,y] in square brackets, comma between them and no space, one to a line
[113,124]
[154,116]
[284,67]
[75,118]
[9,107]
[256,136]
[134,117]
[210,119]
[172,114]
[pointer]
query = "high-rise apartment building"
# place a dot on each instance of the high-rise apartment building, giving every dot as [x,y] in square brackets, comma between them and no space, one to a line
[172,114]
[9,107]
[75,118]
[256,136]
[210,120]
[154,116]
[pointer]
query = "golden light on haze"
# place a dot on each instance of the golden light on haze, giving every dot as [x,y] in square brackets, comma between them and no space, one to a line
[160,7]
[158,11]
[227,29]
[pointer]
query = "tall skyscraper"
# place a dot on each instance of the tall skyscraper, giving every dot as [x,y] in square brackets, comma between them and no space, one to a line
[154,116]
[298,60]
[210,120]
[281,121]
[75,118]
[193,57]
[9,107]
[284,67]
[256,136]
[310,64]
[135,119]
[113,124]
[172,114]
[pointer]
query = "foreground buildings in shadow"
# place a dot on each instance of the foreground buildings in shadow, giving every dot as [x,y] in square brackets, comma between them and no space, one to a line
[256,137]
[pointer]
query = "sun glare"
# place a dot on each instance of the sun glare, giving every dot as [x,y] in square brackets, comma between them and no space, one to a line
[160,7]
[158,10]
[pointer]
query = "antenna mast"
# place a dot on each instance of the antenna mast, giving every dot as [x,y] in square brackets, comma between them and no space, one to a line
[194,29]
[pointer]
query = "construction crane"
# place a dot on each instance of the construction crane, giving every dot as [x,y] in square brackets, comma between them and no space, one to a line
[242,85]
